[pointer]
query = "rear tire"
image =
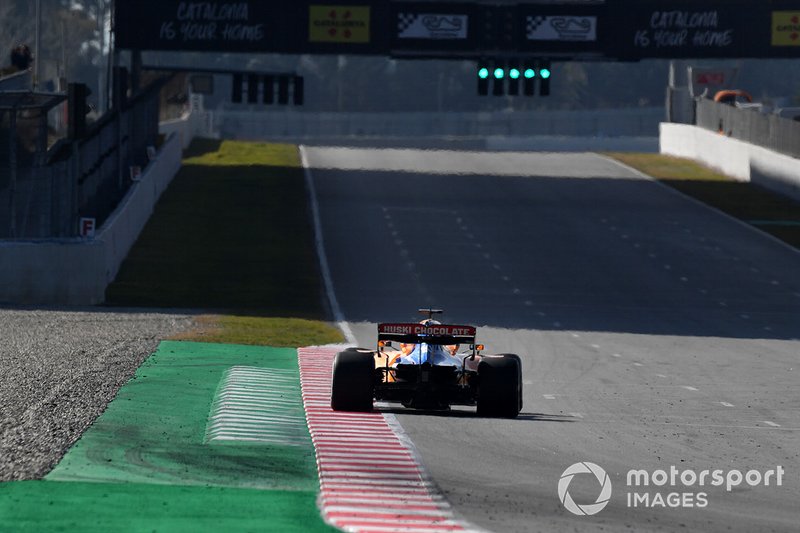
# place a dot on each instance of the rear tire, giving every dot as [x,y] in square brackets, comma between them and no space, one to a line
[499,387]
[518,359]
[353,382]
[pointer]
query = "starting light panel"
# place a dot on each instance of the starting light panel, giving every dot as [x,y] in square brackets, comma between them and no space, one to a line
[506,76]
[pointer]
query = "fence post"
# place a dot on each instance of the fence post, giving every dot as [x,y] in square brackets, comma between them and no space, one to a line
[118,128]
[76,110]
[12,186]
[669,105]
[120,94]
[75,169]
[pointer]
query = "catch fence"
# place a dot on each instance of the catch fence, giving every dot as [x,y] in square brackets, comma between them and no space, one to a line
[777,133]
[44,192]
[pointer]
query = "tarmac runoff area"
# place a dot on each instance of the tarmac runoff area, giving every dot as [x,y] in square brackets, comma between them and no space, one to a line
[196,441]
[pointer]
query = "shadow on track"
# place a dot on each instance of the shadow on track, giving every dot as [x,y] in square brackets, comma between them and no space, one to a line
[464,413]
[551,253]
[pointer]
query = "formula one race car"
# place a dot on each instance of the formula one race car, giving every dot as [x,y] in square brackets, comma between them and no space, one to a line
[427,371]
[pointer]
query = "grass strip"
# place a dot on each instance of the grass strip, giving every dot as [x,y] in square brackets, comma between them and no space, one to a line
[768,211]
[232,232]
[264,331]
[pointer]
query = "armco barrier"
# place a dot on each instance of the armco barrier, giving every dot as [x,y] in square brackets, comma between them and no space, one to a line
[739,159]
[76,271]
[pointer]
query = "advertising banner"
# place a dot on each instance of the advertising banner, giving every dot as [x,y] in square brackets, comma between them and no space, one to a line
[338,24]
[786,28]
[241,25]
[431,26]
[682,29]
[560,28]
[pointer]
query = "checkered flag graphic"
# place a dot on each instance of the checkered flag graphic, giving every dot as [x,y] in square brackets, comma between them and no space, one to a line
[404,20]
[532,23]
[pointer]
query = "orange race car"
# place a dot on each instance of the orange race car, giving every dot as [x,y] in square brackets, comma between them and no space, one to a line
[427,371]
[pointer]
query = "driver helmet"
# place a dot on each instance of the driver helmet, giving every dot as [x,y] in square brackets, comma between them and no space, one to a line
[407,348]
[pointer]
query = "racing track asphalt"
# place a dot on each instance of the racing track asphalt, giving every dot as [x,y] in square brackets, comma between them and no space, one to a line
[654,331]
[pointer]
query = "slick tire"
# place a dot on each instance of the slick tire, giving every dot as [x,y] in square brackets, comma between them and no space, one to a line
[519,361]
[499,380]
[353,381]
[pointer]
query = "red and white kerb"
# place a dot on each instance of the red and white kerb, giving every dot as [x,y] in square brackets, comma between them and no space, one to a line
[369,478]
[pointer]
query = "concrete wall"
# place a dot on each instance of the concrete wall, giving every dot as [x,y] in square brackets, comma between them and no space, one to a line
[77,272]
[195,122]
[122,228]
[741,160]
[555,143]
[51,273]
[19,81]
[186,127]
[294,123]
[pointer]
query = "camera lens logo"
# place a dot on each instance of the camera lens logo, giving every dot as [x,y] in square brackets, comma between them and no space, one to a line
[584,468]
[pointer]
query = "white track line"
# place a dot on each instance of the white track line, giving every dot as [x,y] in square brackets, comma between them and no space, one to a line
[695,201]
[320,245]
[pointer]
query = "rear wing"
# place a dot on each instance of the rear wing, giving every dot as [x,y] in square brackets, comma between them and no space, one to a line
[431,334]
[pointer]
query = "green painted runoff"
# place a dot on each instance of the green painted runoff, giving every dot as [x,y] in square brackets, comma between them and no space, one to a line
[143,466]
[44,506]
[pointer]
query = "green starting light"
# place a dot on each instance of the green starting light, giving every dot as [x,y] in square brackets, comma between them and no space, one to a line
[483,73]
[513,73]
[499,73]
[529,73]
[544,73]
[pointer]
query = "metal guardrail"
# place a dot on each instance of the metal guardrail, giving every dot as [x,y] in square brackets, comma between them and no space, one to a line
[750,125]
[86,177]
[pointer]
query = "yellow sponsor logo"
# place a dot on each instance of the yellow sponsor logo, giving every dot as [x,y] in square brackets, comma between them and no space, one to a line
[338,24]
[786,28]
